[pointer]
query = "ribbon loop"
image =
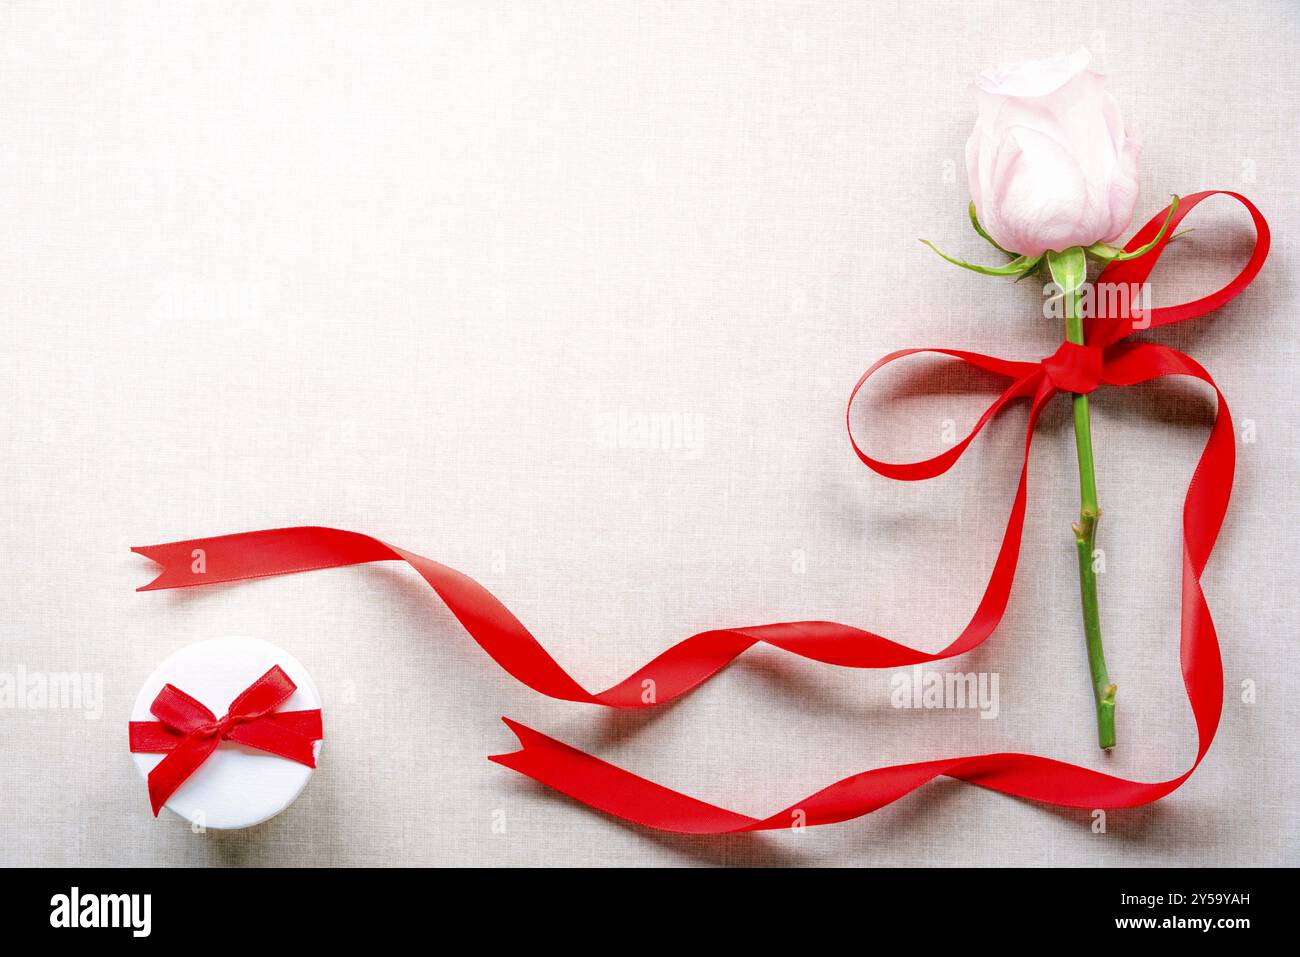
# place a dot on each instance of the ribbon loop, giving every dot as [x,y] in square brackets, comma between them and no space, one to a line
[1022,374]
[1105,330]
[175,709]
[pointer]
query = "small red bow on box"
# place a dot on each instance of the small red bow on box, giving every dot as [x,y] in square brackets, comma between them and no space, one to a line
[189,732]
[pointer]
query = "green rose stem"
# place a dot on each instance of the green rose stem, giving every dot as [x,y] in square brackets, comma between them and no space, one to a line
[1085,540]
[1069,271]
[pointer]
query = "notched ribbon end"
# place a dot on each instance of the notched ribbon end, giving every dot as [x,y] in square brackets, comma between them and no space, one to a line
[519,731]
[146,552]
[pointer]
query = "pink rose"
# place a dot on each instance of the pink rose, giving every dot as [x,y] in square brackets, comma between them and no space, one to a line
[1050,163]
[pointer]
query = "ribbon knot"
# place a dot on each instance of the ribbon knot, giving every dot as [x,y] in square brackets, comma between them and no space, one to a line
[220,728]
[1074,368]
[189,732]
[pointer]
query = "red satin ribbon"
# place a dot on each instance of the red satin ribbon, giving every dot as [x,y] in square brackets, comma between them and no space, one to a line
[1104,360]
[188,732]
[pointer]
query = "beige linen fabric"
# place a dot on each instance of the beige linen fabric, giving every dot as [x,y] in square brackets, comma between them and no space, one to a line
[570,296]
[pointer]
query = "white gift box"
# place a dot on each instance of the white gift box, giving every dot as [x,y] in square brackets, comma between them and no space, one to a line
[237,786]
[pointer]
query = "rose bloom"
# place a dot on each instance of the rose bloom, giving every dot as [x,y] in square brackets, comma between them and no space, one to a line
[1050,163]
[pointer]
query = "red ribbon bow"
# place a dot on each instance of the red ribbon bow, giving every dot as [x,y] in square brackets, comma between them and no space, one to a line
[1105,359]
[189,732]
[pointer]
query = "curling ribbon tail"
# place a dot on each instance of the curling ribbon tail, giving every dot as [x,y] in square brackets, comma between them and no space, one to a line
[610,789]
[1106,360]
[227,558]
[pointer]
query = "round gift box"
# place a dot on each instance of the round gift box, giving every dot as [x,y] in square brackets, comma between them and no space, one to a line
[236,786]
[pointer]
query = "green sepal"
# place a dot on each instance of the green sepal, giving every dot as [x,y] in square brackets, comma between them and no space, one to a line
[1017,267]
[1032,270]
[975,222]
[1103,251]
[1111,254]
[1069,268]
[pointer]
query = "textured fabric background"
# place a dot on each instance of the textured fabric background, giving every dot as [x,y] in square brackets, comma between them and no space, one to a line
[422,270]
